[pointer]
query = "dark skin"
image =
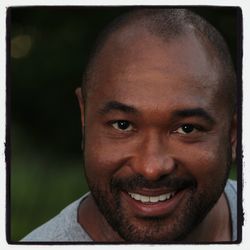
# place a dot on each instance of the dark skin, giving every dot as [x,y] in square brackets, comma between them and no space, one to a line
[153,111]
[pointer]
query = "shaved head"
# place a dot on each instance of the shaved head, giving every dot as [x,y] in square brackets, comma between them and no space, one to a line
[168,25]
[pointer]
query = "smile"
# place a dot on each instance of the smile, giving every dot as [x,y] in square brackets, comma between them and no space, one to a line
[153,203]
[151,199]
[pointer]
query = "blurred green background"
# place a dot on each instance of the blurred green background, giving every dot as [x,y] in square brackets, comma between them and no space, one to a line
[48,50]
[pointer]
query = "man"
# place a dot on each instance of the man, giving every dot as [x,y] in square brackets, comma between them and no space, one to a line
[159,123]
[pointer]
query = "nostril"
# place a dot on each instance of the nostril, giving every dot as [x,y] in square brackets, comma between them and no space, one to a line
[153,168]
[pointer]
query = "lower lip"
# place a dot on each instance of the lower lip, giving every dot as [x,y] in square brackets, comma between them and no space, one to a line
[158,209]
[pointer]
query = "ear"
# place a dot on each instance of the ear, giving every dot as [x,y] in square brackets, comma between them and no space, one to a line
[78,93]
[233,136]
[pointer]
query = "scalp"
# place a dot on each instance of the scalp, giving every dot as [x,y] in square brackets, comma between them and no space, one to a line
[168,24]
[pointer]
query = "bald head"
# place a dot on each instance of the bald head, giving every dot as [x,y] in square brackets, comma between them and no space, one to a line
[165,26]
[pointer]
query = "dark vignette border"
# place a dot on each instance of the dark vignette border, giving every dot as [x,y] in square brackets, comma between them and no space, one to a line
[238,65]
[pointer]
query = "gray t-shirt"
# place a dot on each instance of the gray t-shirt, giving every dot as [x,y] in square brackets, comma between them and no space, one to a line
[65,228]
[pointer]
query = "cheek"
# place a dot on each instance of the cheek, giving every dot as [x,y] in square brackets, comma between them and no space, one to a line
[103,158]
[207,162]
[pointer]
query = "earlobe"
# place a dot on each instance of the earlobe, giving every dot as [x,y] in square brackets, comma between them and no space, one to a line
[78,93]
[233,136]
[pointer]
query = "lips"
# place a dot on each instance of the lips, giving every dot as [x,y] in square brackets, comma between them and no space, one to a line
[145,198]
[153,203]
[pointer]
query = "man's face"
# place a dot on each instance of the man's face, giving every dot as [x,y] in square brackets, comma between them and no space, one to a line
[157,136]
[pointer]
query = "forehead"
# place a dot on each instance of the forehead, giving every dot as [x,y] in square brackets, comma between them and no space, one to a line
[134,65]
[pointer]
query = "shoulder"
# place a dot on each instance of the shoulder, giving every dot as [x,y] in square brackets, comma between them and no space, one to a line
[63,227]
[231,189]
[231,195]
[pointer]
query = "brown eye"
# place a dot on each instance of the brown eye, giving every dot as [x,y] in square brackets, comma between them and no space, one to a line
[122,125]
[186,129]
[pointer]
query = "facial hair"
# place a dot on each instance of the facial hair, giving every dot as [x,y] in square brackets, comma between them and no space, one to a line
[155,229]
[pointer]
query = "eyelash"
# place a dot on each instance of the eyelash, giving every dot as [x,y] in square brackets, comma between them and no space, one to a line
[123,122]
[194,127]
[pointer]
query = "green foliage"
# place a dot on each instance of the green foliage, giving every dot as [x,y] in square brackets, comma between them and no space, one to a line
[233,172]
[42,183]
[39,192]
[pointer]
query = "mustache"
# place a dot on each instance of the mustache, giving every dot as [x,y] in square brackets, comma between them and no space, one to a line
[138,181]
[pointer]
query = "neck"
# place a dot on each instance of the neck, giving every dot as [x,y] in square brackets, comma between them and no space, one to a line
[92,220]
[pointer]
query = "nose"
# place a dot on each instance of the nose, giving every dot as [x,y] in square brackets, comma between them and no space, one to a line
[153,159]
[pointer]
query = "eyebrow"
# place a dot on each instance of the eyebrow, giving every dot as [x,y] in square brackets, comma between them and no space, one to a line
[184,113]
[117,106]
[196,112]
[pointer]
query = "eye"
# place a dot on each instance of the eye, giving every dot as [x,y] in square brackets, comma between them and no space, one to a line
[122,125]
[186,129]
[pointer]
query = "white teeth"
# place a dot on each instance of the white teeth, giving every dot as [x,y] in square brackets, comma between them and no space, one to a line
[145,198]
[136,197]
[152,199]
[163,197]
